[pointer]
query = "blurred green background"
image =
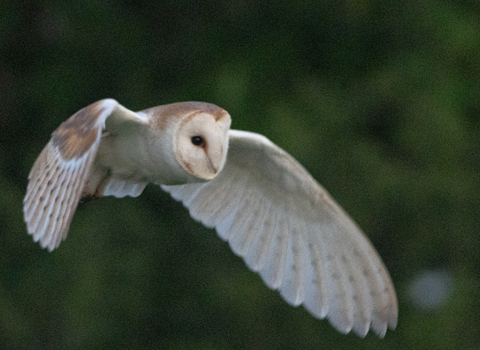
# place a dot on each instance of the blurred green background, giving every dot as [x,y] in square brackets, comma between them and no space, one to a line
[379,100]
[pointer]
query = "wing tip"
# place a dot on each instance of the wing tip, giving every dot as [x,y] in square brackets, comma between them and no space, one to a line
[361,330]
[344,326]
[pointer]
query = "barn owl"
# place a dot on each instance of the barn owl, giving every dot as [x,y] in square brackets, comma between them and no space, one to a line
[257,197]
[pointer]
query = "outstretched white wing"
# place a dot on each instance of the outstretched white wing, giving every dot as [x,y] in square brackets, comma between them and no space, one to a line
[59,174]
[289,229]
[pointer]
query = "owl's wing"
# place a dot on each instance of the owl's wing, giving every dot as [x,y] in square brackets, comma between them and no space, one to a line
[58,176]
[289,229]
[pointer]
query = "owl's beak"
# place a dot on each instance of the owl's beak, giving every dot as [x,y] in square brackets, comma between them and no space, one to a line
[213,169]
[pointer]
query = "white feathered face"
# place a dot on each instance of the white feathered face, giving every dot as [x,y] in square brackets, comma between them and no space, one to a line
[201,143]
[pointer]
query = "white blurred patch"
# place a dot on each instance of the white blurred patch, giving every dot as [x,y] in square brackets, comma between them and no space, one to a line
[431,288]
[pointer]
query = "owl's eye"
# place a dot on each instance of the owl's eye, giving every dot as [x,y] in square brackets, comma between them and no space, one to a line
[197,140]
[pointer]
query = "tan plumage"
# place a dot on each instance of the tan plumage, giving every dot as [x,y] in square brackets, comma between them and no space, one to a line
[257,197]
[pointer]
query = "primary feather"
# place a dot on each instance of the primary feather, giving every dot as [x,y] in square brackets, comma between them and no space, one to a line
[256,196]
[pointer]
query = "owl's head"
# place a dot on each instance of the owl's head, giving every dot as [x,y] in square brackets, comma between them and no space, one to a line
[200,142]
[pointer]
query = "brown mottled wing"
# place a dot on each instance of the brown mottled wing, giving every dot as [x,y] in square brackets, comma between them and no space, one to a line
[58,176]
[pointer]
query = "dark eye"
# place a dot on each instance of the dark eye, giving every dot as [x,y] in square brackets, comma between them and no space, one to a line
[197,140]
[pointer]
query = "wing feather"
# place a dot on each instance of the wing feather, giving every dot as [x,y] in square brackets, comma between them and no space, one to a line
[228,198]
[59,174]
[257,254]
[211,202]
[245,224]
[120,188]
[55,224]
[75,170]
[316,296]
[65,202]
[340,293]
[272,271]
[288,228]
[293,284]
